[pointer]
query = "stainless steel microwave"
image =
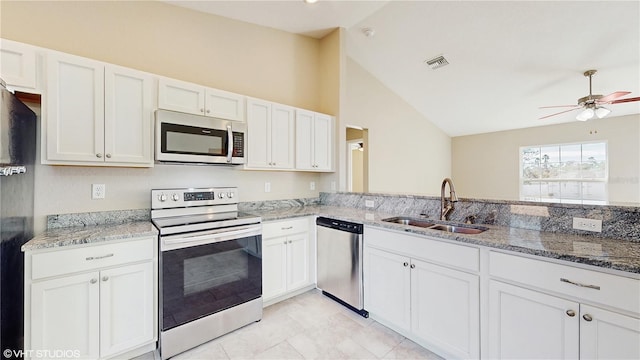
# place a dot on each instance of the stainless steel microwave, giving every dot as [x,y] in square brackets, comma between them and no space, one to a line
[186,138]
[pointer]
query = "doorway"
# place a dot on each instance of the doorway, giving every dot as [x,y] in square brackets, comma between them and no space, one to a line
[357,159]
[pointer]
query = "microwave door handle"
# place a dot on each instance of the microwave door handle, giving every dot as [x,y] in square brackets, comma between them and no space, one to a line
[230,147]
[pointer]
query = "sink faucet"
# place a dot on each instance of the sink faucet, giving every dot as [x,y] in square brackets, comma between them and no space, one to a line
[446,206]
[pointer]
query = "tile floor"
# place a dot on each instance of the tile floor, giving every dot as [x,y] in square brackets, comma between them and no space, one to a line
[310,326]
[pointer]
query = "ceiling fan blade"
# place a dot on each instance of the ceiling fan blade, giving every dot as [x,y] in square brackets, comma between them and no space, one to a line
[625,100]
[558,106]
[609,98]
[561,112]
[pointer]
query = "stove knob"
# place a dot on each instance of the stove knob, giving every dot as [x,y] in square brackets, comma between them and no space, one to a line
[230,195]
[175,197]
[162,197]
[221,195]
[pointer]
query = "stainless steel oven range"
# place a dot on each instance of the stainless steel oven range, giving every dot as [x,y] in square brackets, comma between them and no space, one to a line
[210,266]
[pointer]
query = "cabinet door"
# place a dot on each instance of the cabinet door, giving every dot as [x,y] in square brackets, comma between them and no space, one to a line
[445,307]
[224,105]
[304,140]
[274,267]
[608,335]
[532,325]
[18,64]
[180,96]
[297,261]
[126,308]
[322,142]
[259,134]
[74,111]
[65,314]
[128,116]
[387,290]
[282,136]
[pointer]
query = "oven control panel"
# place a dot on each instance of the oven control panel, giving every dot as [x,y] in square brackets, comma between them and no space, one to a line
[174,198]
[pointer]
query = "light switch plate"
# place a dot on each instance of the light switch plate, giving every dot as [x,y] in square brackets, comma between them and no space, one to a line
[312,185]
[267,187]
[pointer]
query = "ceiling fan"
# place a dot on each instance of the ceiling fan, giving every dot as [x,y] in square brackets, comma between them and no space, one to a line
[591,105]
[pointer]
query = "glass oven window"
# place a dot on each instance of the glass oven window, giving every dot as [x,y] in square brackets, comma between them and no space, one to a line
[182,139]
[201,280]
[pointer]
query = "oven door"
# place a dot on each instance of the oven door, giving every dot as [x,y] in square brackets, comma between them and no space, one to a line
[207,272]
[191,138]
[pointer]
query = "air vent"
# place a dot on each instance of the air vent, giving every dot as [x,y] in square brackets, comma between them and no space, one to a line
[437,62]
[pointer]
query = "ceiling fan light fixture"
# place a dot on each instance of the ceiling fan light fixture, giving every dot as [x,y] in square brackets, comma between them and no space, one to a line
[602,111]
[585,114]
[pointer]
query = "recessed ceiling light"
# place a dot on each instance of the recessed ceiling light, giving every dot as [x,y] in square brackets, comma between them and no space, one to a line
[310,1]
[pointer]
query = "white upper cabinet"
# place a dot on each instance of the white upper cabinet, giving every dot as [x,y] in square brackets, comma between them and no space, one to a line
[196,99]
[271,135]
[128,116]
[19,65]
[96,114]
[314,141]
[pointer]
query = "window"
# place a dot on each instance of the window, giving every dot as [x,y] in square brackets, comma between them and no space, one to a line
[565,173]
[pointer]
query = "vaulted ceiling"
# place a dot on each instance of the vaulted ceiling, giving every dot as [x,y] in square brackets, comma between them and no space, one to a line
[506,58]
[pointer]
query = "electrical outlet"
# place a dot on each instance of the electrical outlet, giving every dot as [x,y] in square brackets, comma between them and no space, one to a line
[267,187]
[312,185]
[368,203]
[98,191]
[587,224]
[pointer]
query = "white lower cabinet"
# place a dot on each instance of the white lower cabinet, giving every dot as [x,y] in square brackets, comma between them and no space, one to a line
[532,325]
[435,305]
[547,311]
[287,258]
[101,310]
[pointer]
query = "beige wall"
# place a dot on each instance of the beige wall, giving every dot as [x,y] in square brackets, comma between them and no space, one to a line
[487,166]
[191,46]
[407,153]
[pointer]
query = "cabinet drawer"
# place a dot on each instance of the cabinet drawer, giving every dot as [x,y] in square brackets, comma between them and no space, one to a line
[65,261]
[418,247]
[587,285]
[284,228]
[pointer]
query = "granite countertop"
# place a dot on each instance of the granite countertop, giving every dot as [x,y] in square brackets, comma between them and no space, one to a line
[60,237]
[609,253]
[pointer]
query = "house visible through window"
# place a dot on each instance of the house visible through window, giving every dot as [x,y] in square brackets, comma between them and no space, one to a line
[565,173]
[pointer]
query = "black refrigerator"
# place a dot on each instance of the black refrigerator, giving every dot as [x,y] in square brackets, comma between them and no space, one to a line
[17,161]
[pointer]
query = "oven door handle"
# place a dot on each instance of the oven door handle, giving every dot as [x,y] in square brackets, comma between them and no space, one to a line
[230,142]
[185,241]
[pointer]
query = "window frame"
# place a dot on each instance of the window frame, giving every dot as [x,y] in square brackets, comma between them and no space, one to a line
[561,180]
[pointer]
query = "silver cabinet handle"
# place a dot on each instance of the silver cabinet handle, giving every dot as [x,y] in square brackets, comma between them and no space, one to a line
[98,257]
[105,278]
[595,287]
[93,281]
[405,264]
[287,228]
[587,317]
[108,156]
[285,242]
[208,111]
[201,110]
[290,241]
[571,313]
[413,266]
[98,155]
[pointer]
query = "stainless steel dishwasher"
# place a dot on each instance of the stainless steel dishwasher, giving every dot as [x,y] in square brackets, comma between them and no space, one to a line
[340,249]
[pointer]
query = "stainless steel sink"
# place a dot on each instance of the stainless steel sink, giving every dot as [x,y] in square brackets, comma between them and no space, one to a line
[459,229]
[409,221]
[453,228]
